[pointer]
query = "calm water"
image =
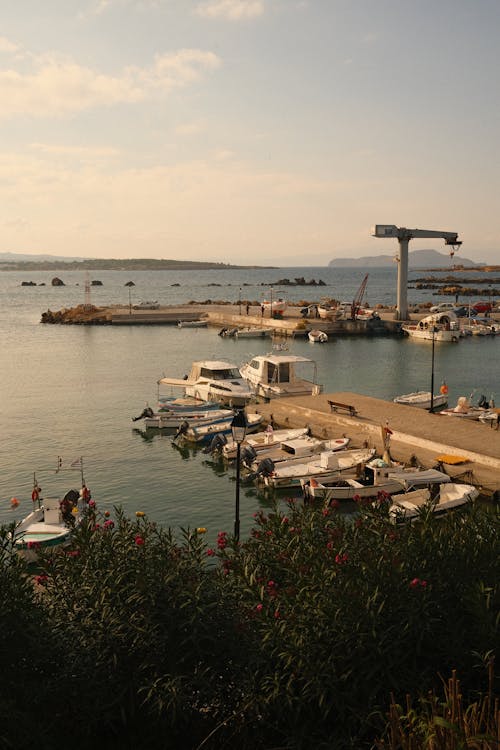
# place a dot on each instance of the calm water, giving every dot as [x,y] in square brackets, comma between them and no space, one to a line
[72,390]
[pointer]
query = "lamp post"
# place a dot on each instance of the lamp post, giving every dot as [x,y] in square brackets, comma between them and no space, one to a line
[239,303]
[431,410]
[239,429]
[129,301]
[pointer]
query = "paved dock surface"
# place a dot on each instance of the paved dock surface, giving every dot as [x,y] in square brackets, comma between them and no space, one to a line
[415,432]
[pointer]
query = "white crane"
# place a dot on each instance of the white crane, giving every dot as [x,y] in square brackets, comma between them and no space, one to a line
[403,236]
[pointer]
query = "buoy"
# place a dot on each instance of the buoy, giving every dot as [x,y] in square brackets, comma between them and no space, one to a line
[35,495]
[444,389]
[14,502]
[139,513]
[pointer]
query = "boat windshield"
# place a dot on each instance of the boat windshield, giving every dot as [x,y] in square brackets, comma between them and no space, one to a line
[230,373]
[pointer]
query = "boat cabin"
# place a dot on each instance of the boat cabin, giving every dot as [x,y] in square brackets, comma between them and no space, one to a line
[281,375]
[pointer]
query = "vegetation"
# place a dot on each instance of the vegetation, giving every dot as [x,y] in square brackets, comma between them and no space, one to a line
[312,633]
[116,264]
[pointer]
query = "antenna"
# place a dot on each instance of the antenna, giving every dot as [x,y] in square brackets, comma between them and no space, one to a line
[87,304]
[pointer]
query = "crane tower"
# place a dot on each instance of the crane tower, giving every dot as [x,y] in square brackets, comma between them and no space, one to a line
[404,236]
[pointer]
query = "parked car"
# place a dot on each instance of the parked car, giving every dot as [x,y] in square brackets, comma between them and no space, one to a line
[147,305]
[483,307]
[442,307]
[464,311]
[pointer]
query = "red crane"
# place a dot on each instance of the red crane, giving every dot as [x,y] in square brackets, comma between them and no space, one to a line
[359,296]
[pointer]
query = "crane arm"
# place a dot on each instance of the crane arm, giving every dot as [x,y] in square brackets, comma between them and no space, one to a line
[401,233]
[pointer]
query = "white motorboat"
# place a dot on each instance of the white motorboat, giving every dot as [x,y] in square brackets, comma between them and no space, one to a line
[411,505]
[186,403]
[370,483]
[263,440]
[214,380]
[276,375]
[253,333]
[173,420]
[422,400]
[443,326]
[317,337]
[203,433]
[328,465]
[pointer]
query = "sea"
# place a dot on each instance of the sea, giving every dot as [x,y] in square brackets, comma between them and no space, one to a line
[69,392]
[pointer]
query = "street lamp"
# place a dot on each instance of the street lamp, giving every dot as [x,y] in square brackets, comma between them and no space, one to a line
[239,430]
[239,303]
[431,410]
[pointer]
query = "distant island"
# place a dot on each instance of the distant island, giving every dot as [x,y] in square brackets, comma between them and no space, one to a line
[20,262]
[416,259]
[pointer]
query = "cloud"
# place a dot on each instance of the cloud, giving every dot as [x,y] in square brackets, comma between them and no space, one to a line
[7,46]
[58,86]
[231,10]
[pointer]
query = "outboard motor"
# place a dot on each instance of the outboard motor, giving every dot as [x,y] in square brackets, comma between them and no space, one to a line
[182,429]
[217,443]
[223,332]
[147,412]
[483,402]
[264,469]
[248,455]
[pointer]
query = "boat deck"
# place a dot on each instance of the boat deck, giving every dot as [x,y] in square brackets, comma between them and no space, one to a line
[414,432]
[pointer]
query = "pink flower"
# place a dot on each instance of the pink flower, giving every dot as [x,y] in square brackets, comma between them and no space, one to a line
[41,580]
[329,545]
[109,524]
[335,504]
[277,614]
[73,553]
[418,583]
[33,545]
[210,552]
[270,584]
[139,540]
[325,512]
[356,498]
[341,559]
[91,503]
[259,607]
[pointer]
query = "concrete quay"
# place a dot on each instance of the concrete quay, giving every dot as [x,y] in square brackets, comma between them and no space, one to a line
[415,432]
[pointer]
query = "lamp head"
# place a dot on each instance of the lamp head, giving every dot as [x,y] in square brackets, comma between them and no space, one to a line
[239,426]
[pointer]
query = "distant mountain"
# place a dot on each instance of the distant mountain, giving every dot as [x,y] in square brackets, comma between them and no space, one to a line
[416,259]
[43,257]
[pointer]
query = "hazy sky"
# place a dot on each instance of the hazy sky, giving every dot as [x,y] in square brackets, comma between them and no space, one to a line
[248,131]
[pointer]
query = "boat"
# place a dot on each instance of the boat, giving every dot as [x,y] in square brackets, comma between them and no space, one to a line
[252,333]
[328,465]
[275,306]
[423,400]
[192,324]
[317,337]
[439,327]
[275,375]
[173,420]
[327,311]
[52,520]
[294,449]
[213,380]
[185,403]
[369,483]
[412,505]
[263,440]
[465,410]
[204,433]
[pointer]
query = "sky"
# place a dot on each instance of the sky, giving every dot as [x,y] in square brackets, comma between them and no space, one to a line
[248,131]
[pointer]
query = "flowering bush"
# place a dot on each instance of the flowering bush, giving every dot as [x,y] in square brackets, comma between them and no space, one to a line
[295,637]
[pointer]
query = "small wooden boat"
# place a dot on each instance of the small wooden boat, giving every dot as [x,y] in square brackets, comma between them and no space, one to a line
[173,420]
[192,324]
[317,337]
[368,483]
[261,441]
[299,449]
[328,465]
[411,505]
[52,520]
[422,400]
[252,333]
[193,433]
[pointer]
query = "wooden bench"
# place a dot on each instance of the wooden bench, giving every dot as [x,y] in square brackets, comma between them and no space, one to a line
[336,405]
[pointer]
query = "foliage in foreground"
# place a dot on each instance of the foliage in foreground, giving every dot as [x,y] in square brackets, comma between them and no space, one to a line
[297,638]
